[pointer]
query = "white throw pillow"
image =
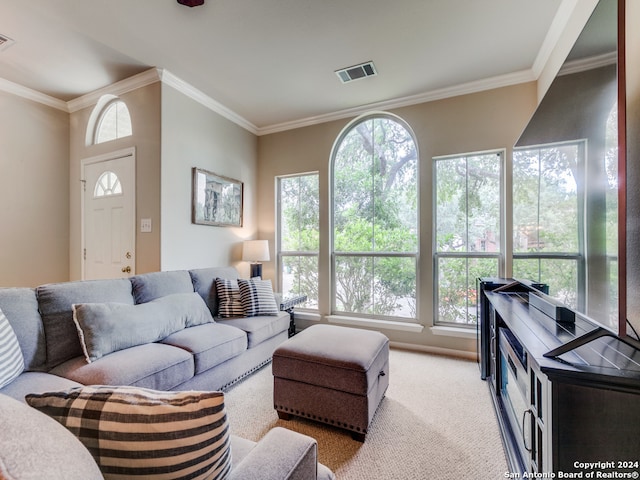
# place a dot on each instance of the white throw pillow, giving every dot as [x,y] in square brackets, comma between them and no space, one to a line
[11,360]
[257,297]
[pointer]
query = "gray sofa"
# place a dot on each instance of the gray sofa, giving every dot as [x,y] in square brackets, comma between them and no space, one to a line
[211,355]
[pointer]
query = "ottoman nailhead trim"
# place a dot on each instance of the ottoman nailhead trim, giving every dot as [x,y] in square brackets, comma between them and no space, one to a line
[292,411]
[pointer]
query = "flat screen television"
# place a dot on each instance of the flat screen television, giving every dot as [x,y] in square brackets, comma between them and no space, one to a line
[570,163]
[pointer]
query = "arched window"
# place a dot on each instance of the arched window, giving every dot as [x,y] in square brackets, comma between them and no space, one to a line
[114,122]
[375,218]
[108,184]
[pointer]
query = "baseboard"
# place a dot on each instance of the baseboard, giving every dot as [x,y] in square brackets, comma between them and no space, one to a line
[435,350]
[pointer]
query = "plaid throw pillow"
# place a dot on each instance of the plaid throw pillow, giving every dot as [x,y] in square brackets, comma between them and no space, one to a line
[229,302]
[11,360]
[257,297]
[142,433]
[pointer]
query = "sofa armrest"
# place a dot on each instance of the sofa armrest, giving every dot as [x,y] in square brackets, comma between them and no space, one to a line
[281,454]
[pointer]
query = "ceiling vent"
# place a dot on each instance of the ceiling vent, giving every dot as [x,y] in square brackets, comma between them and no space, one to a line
[356,72]
[5,42]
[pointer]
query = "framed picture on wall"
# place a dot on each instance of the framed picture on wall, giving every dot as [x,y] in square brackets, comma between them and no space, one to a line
[217,200]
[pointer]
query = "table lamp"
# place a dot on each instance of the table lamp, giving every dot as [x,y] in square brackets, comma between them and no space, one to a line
[255,251]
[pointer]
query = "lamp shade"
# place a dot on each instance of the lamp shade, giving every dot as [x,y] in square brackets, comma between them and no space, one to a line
[255,251]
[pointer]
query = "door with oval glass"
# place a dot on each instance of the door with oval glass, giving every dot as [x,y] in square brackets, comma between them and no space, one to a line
[109,216]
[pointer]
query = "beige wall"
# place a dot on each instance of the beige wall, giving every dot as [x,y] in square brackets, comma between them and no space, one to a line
[34,193]
[144,107]
[195,136]
[482,121]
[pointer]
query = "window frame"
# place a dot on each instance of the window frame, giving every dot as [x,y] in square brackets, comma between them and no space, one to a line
[500,255]
[280,253]
[113,191]
[579,256]
[104,110]
[372,254]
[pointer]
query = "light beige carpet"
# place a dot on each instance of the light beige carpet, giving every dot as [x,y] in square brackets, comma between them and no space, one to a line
[435,422]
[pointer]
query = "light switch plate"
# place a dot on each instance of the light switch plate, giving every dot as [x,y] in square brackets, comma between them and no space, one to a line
[145,225]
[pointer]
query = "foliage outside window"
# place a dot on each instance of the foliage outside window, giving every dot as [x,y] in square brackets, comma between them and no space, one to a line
[375,219]
[114,122]
[547,226]
[299,229]
[467,223]
[611,216]
[565,220]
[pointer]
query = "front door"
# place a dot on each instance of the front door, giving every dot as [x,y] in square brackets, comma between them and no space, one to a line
[109,216]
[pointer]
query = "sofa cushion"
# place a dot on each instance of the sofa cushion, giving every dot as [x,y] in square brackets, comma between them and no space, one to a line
[209,344]
[229,299]
[55,302]
[108,327]
[20,305]
[32,445]
[11,361]
[134,432]
[152,365]
[149,286]
[36,382]
[204,279]
[259,329]
[257,297]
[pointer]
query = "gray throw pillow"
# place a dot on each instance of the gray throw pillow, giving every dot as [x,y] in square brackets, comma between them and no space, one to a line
[108,327]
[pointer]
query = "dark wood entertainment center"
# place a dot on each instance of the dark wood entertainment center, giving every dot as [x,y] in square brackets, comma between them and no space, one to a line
[573,414]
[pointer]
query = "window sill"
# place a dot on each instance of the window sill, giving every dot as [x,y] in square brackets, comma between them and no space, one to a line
[372,323]
[459,332]
[313,317]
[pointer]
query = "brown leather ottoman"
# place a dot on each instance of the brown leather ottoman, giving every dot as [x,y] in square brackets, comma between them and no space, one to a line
[336,375]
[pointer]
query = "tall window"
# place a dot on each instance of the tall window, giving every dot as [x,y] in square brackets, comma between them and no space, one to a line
[299,229]
[114,122]
[375,219]
[547,218]
[467,232]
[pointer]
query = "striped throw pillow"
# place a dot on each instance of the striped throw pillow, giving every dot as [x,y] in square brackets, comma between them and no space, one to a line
[229,302]
[257,297]
[143,433]
[11,360]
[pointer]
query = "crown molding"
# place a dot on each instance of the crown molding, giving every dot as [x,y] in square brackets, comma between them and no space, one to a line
[439,94]
[156,74]
[583,64]
[124,86]
[192,92]
[556,30]
[33,95]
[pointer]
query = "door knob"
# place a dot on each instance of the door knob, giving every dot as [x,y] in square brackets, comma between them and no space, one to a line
[126,269]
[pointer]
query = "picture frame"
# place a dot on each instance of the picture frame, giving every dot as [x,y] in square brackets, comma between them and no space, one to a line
[217,200]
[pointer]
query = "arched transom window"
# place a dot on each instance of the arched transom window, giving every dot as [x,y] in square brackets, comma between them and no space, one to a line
[114,122]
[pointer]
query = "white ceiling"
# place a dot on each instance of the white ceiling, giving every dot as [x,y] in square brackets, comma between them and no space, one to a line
[272,62]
